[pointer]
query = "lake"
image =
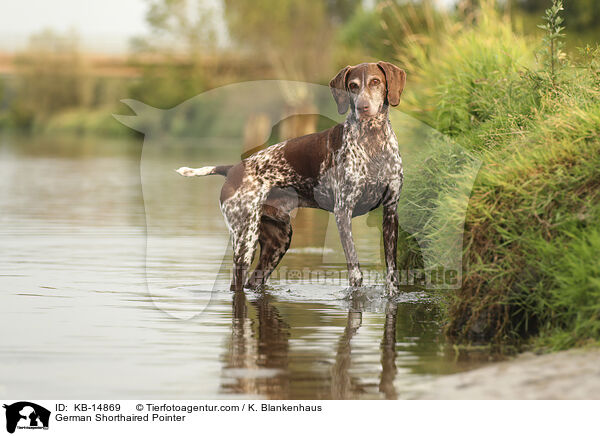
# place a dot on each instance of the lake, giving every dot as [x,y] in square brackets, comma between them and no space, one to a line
[115,285]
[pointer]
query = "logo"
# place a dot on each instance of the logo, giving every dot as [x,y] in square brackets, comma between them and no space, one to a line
[26,415]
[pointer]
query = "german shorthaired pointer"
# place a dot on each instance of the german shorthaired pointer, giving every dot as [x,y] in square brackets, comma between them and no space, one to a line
[349,169]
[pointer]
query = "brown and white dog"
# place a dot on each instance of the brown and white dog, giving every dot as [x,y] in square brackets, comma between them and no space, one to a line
[349,169]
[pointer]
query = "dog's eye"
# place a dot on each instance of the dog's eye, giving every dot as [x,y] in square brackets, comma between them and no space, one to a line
[375,82]
[353,87]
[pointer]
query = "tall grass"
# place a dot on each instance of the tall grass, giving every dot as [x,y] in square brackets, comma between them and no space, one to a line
[471,76]
[533,216]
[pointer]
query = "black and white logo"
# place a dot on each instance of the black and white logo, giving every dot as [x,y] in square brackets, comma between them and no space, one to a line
[26,415]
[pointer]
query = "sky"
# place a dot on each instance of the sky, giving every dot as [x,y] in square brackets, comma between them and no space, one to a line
[102,25]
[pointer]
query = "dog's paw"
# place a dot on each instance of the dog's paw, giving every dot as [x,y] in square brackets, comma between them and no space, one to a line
[355,278]
[187,172]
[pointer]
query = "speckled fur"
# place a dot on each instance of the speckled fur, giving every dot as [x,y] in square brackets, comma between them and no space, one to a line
[349,170]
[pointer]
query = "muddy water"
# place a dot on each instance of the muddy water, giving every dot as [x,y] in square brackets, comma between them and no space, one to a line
[85,313]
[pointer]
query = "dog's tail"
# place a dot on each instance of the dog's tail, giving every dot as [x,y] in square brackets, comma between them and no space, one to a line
[221,170]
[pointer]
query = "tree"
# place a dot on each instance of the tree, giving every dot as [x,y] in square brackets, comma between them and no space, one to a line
[295,36]
[51,76]
[185,27]
[173,57]
[384,31]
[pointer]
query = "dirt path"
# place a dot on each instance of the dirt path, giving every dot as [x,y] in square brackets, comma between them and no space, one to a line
[573,374]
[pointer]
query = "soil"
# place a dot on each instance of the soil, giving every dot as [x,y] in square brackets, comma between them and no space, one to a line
[573,374]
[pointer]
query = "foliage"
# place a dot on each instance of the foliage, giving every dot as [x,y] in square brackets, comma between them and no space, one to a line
[533,215]
[463,78]
[295,37]
[552,38]
[182,34]
[531,203]
[182,25]
[381,33]
[51,77]
[574,297]
[580,15]
[166,86]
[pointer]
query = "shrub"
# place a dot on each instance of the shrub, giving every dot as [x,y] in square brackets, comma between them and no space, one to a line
[522,215]
[472,75]
[532,218]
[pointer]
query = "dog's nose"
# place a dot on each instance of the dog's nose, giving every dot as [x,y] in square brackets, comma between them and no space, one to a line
[363,108]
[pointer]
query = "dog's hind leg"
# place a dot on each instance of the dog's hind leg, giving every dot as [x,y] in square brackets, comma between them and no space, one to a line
[243,253]
[243,220]
[274,239]
[244,212]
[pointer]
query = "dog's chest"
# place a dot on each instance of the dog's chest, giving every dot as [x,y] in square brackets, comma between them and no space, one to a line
[364,169]
[368,158]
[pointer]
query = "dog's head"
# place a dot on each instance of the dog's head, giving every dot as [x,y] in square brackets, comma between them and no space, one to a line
[368,88]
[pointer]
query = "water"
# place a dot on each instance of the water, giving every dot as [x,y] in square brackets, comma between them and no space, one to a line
[80,319]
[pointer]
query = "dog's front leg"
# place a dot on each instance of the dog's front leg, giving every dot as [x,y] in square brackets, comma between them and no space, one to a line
[343,218]
[390,246]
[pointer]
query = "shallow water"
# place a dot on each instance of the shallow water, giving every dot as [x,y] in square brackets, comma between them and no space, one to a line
[86,314]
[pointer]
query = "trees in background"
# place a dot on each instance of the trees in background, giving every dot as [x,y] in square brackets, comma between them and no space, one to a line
[580,15]
[296,38]
[200,44]
[195,45]
[183,33]
[581,19]
[50,77]
[384,31]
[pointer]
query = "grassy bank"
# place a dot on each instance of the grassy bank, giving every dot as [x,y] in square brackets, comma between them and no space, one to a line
[532,230]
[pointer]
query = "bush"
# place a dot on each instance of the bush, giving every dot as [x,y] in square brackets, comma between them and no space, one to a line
[532,218]
[531,202]
[51,76]
[472,76]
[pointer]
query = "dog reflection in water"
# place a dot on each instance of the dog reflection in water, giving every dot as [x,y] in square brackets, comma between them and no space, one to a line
[259,360]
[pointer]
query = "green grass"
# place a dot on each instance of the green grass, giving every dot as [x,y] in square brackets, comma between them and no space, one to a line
[471,77]
[530,272]
[530,204]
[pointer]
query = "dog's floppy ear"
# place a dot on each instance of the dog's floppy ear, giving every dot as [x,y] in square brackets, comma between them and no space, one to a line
[395,79]
[338,89]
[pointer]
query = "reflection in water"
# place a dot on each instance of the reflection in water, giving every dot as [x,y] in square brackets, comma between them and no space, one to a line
[259,347]
[75,297]
[257,363]
[388,352]
[343,386]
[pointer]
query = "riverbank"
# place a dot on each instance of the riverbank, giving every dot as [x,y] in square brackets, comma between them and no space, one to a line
[531,215]
[567,375]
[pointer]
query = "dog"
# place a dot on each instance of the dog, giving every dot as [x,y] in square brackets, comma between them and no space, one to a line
[349,169]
